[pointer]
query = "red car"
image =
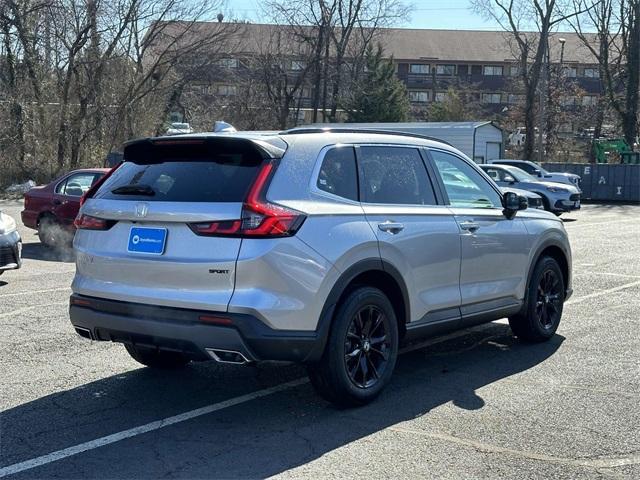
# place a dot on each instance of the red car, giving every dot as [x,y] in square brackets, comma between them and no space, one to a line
[51,209]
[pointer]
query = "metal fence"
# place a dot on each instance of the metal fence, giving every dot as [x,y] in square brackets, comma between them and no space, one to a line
[601,181]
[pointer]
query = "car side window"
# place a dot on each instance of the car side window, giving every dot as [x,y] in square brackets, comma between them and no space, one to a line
[494,174]
[77,185]
[338,173]
[526,167]
[394,175]
[465,187]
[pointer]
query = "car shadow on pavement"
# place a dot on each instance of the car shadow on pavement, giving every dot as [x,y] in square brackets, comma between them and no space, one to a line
[38,251]
[255,439]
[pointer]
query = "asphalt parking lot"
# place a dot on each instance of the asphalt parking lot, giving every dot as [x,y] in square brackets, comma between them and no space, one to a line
[475,404]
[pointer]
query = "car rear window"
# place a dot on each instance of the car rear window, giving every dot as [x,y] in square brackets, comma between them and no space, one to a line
[183,171]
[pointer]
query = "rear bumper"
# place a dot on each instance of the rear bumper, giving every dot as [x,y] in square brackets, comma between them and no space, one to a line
[29,219]
[10,249]
[178,329]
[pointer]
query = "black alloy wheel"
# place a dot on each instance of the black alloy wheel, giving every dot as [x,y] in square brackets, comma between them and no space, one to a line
[367,346]
[549,300]
[541,313]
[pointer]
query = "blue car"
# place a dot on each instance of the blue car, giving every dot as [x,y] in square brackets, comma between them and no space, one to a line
[556,197]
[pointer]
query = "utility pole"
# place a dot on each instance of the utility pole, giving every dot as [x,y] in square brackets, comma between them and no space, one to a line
[543,95]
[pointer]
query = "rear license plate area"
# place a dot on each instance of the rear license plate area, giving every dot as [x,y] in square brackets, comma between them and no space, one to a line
[147,240]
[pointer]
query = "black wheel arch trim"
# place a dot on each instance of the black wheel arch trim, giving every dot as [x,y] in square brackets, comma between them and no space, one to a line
[340,286]
[550,242]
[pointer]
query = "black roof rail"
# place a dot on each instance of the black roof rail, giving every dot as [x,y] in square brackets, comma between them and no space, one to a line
[295,131]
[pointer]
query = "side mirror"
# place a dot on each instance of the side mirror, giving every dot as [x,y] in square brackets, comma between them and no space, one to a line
[512,202]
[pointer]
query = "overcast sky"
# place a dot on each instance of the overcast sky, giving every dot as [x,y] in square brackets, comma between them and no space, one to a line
[445,14]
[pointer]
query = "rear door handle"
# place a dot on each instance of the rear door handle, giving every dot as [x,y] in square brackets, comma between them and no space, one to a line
[391,227]
[57,202]
[469,226]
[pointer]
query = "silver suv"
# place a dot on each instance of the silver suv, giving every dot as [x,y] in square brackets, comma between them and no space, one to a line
[326,247]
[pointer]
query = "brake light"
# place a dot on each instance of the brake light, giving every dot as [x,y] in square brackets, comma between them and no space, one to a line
[87,222]
[94,188]
[260,219]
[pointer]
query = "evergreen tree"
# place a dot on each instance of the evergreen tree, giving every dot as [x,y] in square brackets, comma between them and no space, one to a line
[379,96]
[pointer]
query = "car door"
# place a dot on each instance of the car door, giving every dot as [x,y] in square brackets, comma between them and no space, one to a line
[495,249]
[416,235]
[67,194]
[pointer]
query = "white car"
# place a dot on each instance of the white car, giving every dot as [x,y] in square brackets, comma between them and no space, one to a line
[10,244]
[179,129]
[537,171]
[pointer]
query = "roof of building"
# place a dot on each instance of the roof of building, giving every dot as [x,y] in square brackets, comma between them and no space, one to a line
[424,44]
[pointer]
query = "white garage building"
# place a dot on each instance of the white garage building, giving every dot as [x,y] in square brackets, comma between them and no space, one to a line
[481,141]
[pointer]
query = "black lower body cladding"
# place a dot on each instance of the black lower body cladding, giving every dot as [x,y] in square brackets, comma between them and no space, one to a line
[179,329]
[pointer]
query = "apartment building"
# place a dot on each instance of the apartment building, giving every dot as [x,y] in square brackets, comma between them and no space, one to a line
[430,62]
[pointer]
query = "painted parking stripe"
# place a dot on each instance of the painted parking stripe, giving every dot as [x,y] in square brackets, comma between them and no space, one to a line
[31,292]
[149,427]
[573,301]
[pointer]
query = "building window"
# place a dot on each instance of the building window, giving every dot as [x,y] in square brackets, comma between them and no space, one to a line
[515,98]
[419,97]
[203,89]
[589,100]
[493,70]
[228,62]
[570,72]
[591,73]
[441,96]
[419,68]
[568,100]
[226,90]
[305,92]
[446,70]
[514,70]
[297,65]
[491,98]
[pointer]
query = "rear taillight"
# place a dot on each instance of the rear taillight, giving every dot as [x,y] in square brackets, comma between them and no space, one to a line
[94,188]
[259,219]
[87,222]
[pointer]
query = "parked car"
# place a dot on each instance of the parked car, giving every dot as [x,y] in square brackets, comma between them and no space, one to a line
[533,199]
[247,247]
[536,170]
[179,129]
[10,244]
[51,209]
[556,197]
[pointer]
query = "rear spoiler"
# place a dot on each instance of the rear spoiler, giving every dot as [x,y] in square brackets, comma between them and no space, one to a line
[268,149]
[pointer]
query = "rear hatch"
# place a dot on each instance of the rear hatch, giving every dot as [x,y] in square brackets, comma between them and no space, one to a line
[163,229]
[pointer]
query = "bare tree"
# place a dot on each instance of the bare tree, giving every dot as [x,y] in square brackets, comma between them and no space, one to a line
[530,48]
[616,47]
[80,76]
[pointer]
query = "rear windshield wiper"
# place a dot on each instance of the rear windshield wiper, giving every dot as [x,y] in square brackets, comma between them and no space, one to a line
[134,190]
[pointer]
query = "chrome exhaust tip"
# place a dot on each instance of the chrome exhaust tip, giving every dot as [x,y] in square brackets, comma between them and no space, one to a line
[227,356]
[84,332]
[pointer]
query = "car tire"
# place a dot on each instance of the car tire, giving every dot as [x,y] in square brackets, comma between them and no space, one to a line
[361,350]
[541,314]
[155,358]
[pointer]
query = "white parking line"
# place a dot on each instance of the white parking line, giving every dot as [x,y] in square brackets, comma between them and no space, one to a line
[601,293]
[149,427]
[31,307]
[31,292]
